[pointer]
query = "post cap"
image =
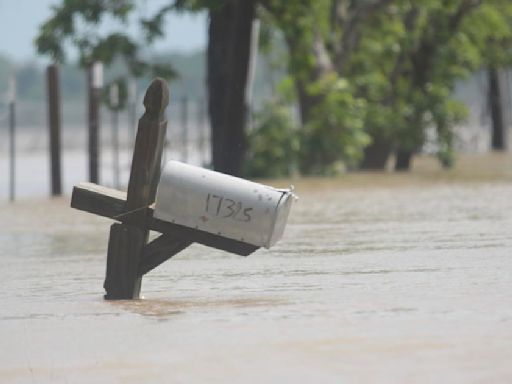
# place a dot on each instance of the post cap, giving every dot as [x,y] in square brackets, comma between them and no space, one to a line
[156,98]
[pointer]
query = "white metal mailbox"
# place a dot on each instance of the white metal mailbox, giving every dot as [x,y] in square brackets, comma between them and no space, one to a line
[221,204]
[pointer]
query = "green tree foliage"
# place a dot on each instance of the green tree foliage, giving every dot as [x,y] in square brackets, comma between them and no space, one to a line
[436,48]
[399,59]
[273,143]
[334,130]
[77,22]
[321,37]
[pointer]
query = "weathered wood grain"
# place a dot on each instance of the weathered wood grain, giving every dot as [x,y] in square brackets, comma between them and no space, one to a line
[159,250]
[125,246]
[54,124]
[102,201]
[147,154]
[144,176]
[93,122]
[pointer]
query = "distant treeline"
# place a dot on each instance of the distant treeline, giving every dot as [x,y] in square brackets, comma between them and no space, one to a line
[190,67]
[31,82]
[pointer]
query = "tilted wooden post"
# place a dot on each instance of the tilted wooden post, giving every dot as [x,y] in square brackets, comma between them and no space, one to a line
[127,241]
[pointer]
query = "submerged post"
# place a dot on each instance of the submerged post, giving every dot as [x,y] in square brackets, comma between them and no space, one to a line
[114,122]
[52,74]
[94,85]
[127,241]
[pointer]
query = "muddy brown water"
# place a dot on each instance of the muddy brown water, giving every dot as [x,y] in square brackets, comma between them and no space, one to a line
[379,278]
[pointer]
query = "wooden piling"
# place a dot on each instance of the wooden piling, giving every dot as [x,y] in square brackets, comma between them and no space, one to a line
[127,241]
[93,117]
[54,124]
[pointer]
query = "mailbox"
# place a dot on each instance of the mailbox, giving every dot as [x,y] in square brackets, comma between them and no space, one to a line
[221,204]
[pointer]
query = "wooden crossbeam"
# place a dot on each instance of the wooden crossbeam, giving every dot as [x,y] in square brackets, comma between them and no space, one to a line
[108,202]
[159,250]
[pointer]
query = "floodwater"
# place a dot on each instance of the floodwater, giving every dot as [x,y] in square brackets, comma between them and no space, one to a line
[379,278]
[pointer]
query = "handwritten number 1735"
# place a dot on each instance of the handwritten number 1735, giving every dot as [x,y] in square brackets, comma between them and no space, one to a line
[224,207]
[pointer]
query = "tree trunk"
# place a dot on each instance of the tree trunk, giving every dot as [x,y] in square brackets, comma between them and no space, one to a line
[498,125]
[403,160]
[228,62]
[376,155]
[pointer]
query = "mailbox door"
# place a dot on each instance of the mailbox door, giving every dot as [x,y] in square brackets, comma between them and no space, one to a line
[225,205]
[282,212]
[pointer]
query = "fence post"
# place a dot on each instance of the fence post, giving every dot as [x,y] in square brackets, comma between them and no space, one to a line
[184,129]
[94,85]
[132,99]
[12,138]
[114,114]
[52,74]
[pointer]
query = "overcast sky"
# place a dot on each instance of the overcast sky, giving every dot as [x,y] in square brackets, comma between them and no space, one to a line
[20,19]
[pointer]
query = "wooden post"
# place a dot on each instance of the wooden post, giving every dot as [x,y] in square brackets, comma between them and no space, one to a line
[114,116]
[94,84]
[127,241]
[132,98]
[184,129]
[498,141]
[52,74]
[116,169]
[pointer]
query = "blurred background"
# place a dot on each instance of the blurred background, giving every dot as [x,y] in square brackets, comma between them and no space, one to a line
[261,89]
[390,117]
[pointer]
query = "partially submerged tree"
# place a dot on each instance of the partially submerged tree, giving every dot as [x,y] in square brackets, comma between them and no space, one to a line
[498,48]
[452,41]
[436,53]
[321,37]
[228,56]
[229,42]
[399,61]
